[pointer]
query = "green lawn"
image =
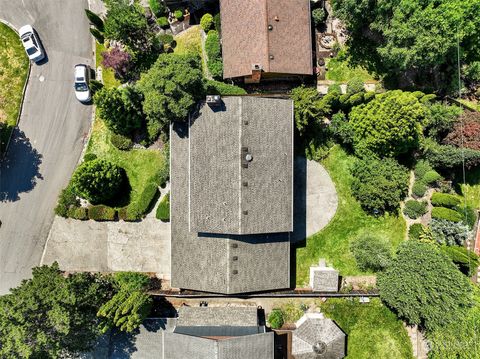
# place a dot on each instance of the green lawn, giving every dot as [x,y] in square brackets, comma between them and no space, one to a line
[471,190]
[190,42]
[109,79]
[350,221]
[13,74]
[140,164]
[373,331]
[340,71]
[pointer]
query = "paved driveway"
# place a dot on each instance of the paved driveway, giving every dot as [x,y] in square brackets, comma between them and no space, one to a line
[52,130]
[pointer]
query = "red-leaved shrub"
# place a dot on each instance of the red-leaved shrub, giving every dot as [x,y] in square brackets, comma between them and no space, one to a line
[469,126]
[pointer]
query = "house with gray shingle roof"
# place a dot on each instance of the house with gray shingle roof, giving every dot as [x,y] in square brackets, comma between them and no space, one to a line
[266,38]
[232,196]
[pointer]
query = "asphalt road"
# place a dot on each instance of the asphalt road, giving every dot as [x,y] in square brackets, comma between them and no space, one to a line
[51,135]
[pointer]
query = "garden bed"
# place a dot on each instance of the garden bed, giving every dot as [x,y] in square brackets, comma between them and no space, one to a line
[14,68]
[350,222]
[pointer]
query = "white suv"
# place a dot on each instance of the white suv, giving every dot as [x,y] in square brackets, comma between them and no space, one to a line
[31,43]
[82,79]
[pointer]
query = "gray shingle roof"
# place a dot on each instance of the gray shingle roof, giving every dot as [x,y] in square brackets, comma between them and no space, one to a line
[228,263]
[226,197]
[217,316]
[317,337]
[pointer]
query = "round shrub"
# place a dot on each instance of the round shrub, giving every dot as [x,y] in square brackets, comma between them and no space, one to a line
[157,7]
[449,233]
[445,200]
[217,22]
[355,85]
[416,230]
[98,180]
[446,213]
[431,177]
[419,189]
[166,39]
[421,168]
[178,14]
[319,15]
[414,209]
[121,142]
[89,157]
[275,318]
[371,253]
[163,22]
[379,185]
[206,22]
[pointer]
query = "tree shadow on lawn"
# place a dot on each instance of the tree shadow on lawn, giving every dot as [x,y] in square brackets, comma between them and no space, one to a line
[19,170]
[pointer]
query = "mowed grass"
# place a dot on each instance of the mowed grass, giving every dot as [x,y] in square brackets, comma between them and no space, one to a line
[373,331]
[13,74]
[109,79]
[350,222]
[189,41]
[139,164]
[339,70]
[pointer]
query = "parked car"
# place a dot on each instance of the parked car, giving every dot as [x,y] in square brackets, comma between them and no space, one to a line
[82,81]
[31,43]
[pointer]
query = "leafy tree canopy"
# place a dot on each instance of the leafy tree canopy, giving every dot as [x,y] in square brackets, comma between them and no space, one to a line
[120,108]
[309,107]
[424,287]
[51,316]
[98,180]
[126,22]
[172,87]
[389,125]
[400,35]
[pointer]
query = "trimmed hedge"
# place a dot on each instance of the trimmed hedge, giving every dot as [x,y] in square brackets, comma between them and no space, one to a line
[102,213]
[431,177]
[206,22]
[466,261]
[121,142]
[416,230]
[414,209]
[445,200]
[223,89]
[136,210]
[80,213]
[213,49]
[66,200]
[419,189]
[163,209]
[421,168]
[446,213]
[178,14]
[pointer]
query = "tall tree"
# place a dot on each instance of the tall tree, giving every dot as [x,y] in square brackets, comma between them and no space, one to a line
[410,35]
[50,315]
[424,287]
[120,108]
[172,87]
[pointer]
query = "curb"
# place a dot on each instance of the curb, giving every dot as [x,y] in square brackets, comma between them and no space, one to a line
[27,80]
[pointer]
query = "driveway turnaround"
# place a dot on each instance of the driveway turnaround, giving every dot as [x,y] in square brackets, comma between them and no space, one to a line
[52,130]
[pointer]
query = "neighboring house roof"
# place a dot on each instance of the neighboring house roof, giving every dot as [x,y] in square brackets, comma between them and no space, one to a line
[217,316]
[317,337]
[229,263]
[159,339]
[247,38]
[229,195]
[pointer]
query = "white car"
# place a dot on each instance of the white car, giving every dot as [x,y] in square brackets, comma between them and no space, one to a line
[82,79]
[31,43]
